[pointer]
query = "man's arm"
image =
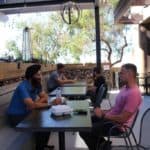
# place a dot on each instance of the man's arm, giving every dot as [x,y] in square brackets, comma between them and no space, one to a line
[64,77]
[34,104]
[43,97]
[99,112]
[121,118]
[60,81]
[29,102]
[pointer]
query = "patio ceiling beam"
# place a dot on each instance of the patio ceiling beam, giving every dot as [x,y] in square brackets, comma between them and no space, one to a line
[121,9]
[140,2]
[39,3]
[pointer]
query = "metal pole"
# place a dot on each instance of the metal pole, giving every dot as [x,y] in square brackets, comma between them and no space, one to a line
[98,44]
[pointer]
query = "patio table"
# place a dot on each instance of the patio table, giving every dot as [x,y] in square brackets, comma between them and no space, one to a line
[71,92]
[42,121]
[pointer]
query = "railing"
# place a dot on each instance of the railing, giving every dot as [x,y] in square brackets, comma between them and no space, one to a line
[144,82]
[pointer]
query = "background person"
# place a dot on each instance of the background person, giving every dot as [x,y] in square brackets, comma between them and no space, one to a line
[28,96]
[127,103]
[98,80]
[57,78]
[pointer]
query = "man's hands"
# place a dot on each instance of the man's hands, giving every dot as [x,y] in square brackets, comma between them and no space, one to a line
[93,89]
[98,112]
[57,101]
[120,118]
[43,97]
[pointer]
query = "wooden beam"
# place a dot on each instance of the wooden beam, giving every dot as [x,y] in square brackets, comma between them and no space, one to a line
[40,5]
[140,2]
[126,20]
[121,9]
[124,5]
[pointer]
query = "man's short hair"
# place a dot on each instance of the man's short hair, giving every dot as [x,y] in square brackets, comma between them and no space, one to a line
[32,70]
[60,66]
[131,67]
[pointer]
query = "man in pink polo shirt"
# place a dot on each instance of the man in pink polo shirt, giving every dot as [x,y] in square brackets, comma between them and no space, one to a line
[127,103]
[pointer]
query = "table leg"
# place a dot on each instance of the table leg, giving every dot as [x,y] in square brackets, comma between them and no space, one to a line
[61,141]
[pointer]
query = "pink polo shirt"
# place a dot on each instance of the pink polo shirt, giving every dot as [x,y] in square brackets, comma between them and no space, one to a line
[128,99]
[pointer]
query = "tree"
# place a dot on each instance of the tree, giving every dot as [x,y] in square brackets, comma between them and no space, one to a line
[75,36]
[113,39]
[12,47]
[57,39]
[53,39]
[44,42]
[119,51]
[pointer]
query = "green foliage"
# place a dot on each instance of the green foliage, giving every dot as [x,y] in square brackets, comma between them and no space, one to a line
[56,38]
[52,39]
[114,2]
[12,47]
[112,33]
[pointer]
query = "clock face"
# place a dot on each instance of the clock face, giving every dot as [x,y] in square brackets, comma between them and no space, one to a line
[70,13]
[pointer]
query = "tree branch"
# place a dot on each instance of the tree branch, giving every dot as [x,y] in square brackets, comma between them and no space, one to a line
[105,49]
[121,52]
[109,49]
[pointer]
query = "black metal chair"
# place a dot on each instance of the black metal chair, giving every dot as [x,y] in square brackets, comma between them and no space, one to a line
[144,138]
[100,95]
[125,134]
[107,98]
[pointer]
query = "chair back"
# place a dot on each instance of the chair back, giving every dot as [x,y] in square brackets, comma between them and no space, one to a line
[144,138]
[100,94]
[135,118]
[130,128]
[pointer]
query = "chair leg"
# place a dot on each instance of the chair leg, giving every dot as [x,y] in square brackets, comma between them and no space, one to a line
[142,147]
[137,147]
[128,137]
[131,146]
[124,137]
